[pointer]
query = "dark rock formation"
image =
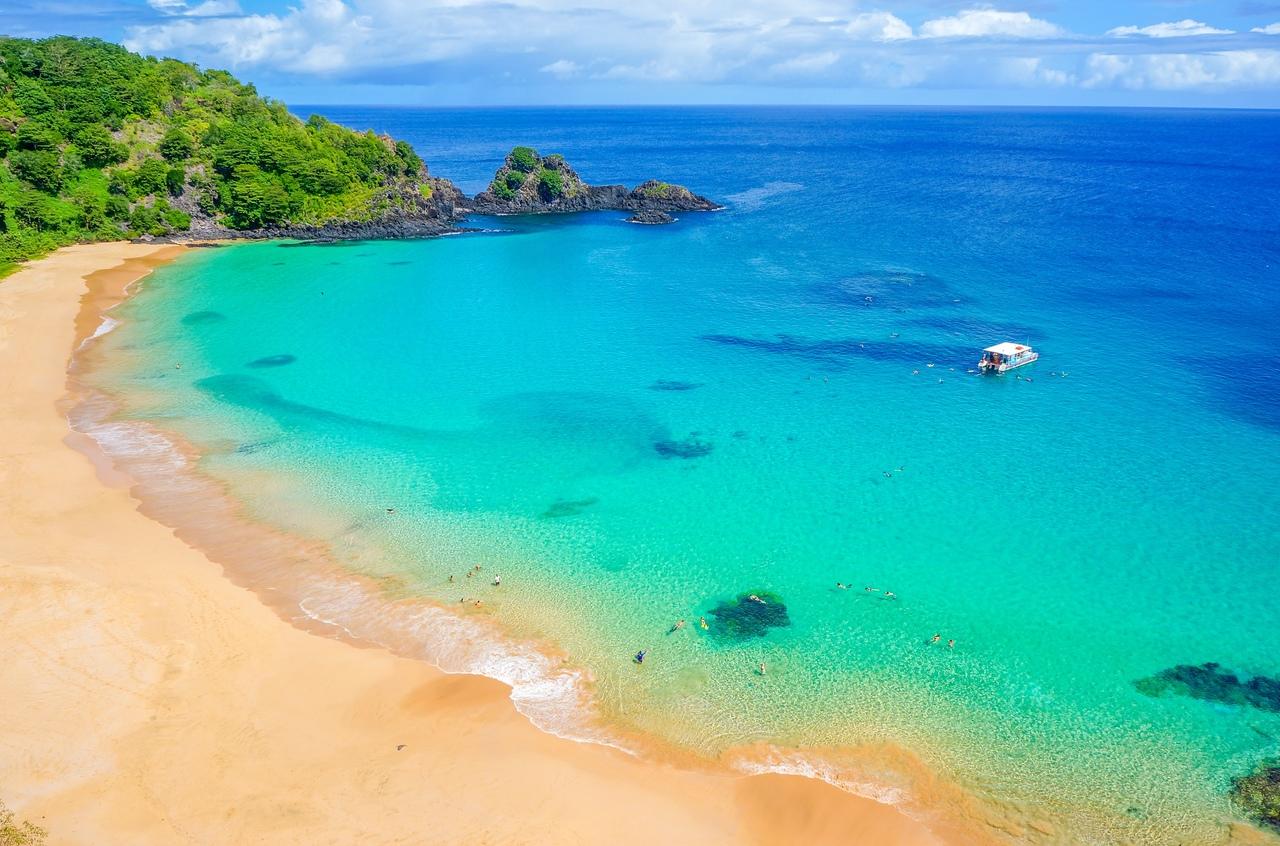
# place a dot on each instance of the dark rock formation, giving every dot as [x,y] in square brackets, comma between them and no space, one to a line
[531,184]
[750,615]
[1258,794]
[651,217]
[1209,681]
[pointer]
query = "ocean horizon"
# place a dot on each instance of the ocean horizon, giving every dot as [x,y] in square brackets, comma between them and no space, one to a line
[998,588]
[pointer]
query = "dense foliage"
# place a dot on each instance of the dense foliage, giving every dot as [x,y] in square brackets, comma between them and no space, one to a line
[99,143]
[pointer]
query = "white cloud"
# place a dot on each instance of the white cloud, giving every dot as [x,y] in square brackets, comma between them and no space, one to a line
[1269,29]
[878,26]
[207,9]
[989,23]
[1184,71]
[809,63]
[1170,29]
[562,69]
[610,43]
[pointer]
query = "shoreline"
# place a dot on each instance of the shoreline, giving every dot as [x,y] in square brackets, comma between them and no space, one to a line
[157,700]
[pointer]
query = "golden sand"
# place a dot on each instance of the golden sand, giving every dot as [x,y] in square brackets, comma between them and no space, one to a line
[145,698]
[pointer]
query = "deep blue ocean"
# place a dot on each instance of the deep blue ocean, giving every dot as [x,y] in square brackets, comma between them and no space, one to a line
[1085,529]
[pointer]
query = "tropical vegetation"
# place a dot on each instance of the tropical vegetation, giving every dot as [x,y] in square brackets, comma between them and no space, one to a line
[98,143]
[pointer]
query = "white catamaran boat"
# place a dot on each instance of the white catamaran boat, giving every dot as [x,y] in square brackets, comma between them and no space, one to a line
[1004,357]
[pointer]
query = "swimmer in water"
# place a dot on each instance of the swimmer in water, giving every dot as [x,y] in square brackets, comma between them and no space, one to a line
[639,659]
[678,626]
[497,580]
[702,621]
[936,637]
[451,578]
[755,598]
[762,669]
[888,594]
[887,474]
[842,586]
[951,644]
[915,372]
[870,589]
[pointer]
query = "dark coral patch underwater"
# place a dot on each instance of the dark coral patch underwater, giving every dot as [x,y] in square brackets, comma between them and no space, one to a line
[201,318]
[568,507]
[674,385]
[273,360]
[1212,683]
[749,615]
[690,447]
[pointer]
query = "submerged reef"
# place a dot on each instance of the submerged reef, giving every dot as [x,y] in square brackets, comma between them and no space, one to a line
[1212,683]
[199,318]
[750,615]
[674,385]
[1258,794]
[568,507]
[690,447]
[273,360]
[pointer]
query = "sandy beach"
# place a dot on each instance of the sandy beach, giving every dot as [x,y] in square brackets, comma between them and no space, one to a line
[148,699]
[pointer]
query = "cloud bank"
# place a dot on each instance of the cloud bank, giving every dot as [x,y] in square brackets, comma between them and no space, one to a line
[815,43]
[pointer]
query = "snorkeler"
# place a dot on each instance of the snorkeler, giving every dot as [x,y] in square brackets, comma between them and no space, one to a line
[639,659]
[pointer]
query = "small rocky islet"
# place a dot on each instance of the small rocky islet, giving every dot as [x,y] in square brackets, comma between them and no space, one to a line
[528,183]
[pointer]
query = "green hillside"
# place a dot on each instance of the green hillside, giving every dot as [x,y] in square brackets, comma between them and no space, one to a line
[99,143]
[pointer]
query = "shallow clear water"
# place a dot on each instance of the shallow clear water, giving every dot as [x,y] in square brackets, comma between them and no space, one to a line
[515,397]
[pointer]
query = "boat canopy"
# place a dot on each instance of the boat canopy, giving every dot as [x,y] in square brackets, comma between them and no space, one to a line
[1008,348]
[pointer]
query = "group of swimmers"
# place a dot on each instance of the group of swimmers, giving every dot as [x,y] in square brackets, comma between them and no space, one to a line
[937,636]
[888,594]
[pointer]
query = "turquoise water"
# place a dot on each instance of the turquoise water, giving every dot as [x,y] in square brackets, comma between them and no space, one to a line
[516,396]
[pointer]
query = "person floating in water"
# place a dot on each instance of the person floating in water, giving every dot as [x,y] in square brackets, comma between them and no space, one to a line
[679,624]
[936,637]
[702,621]
[639,659]
[755,598]
[888,594]
[842,586]
[870,589]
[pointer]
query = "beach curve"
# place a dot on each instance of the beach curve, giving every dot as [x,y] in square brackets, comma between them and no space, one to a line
[151,700]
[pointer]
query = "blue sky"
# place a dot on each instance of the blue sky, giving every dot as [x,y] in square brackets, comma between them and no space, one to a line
[477,52]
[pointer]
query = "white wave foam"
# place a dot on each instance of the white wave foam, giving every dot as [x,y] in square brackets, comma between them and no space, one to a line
[786,762]
[754,198]
[107,324]
[554,698]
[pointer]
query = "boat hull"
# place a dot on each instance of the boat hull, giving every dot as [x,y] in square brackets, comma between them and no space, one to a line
[1005,367]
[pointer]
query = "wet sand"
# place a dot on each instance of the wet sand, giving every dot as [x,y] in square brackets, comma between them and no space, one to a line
[148,699]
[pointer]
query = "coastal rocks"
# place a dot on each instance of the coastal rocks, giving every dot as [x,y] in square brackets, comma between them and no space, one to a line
[1258,794]
[690,447]
[651,217]
[531,184]
[750,615]
[1212,683]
